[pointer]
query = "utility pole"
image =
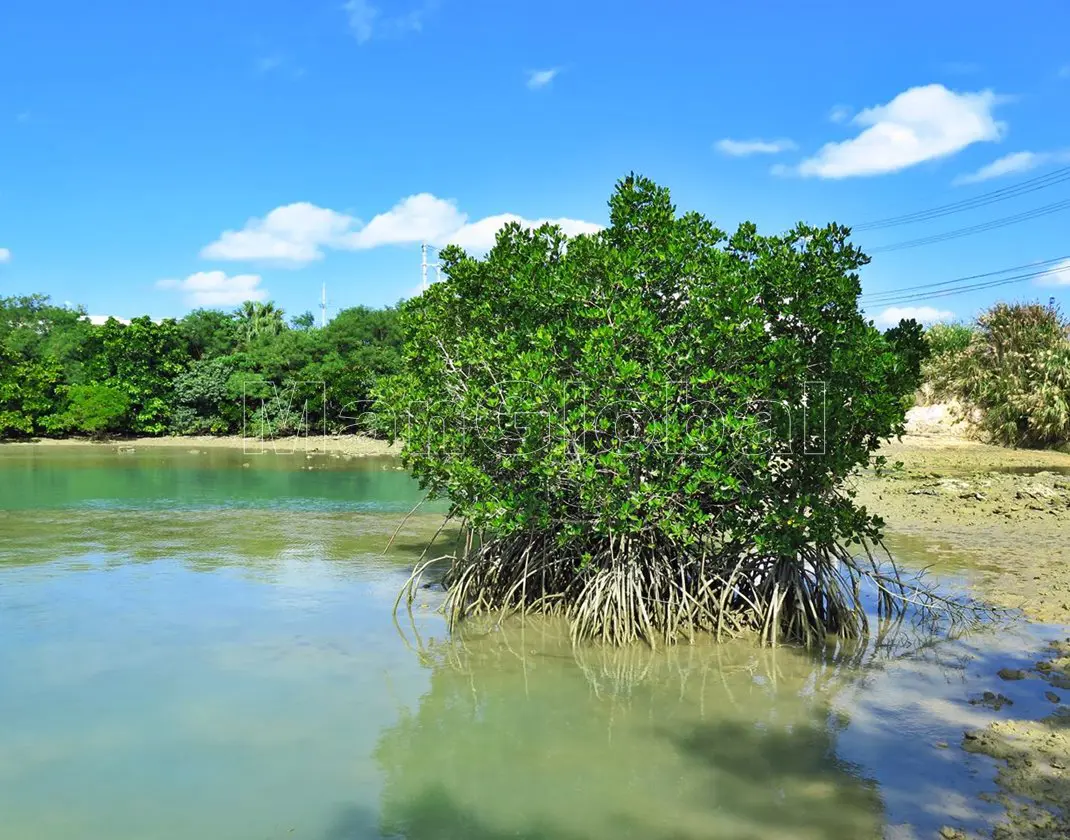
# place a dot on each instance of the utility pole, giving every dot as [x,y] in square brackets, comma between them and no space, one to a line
[424,265]
[323,307]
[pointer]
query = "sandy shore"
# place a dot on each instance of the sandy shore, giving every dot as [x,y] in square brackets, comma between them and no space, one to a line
[1002,518]
[1002,514]
[334,444]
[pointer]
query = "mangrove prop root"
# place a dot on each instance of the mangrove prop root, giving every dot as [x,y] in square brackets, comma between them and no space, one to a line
[625,589]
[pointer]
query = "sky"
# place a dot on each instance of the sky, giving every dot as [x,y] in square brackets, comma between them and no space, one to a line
[158,157]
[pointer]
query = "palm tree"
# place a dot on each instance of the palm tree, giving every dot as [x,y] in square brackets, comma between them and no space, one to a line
[258,319]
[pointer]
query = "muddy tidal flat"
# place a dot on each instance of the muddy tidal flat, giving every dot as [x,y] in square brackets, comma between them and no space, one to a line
[1001,518]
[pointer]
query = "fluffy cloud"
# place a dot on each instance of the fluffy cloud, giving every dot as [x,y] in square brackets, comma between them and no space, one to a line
[541,78]
[418,218]
[5,255]
[216,288]
[298,234]
[920,124]
[923,314]
[1059,275]
[1013,164]
[101,320]
[294,233]
[367,21]
[743,148]
[479,236]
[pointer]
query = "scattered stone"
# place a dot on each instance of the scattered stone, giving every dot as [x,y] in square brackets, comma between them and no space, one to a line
[941,745]
[1051,696]
[1011,674]
[1044,666]
[992,700]
[949,833]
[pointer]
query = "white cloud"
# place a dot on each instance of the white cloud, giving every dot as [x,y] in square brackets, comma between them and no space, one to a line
[216,288]
[1059,275]
[743,148]
[920,124]
[839,113]
[541,78]
[294,233]
[418,218]
[5,255]
[891,316]
[479,236]
[1013,164]
[101,320]
[367,21]
[297,234]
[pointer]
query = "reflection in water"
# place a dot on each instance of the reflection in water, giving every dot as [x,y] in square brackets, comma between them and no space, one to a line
[517,737]
[174,668]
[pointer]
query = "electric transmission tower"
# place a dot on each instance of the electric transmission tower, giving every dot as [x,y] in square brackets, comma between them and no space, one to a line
[424,265]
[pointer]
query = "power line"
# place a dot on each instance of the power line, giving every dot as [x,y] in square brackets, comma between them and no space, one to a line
[1035,213]
[961,280]
[909,294]
[1039,182]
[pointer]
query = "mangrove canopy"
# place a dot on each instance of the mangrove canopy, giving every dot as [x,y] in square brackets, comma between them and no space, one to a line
[647,429]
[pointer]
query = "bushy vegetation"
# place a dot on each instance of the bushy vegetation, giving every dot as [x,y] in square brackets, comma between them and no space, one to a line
[212,372]
[947,338]
[1011,371]
[648,429]
[907,340]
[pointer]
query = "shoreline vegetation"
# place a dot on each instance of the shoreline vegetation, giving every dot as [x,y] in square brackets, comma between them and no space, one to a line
[346,445]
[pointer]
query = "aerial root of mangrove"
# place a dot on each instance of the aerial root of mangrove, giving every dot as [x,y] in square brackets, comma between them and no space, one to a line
[630,589]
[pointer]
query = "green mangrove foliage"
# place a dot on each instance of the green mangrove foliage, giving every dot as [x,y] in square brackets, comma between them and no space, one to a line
[1011,371]
[907,339]
[212,372]
[648,429]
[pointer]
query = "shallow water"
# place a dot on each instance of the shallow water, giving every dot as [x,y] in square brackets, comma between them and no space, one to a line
[192,647]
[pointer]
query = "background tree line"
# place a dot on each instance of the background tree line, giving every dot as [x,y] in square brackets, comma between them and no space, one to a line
[210,372]
[61,375]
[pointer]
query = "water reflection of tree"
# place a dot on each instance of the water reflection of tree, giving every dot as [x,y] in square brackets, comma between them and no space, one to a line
[519,737]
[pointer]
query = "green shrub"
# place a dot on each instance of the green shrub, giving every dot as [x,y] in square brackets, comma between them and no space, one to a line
[201,398]
[1015,372]
[948,338]
[94,410]
[907,339]
[648,429]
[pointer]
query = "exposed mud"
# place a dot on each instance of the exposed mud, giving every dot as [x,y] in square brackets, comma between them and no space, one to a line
[1033,757]
[1001,518]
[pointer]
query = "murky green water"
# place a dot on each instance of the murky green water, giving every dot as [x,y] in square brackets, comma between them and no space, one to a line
[202,646]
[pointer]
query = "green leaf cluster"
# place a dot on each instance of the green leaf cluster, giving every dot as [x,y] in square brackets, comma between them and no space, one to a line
[658,379]
[211,372]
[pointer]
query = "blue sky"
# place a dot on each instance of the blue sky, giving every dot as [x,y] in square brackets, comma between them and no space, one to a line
[159,156]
